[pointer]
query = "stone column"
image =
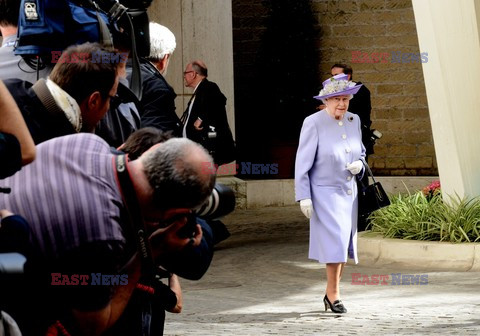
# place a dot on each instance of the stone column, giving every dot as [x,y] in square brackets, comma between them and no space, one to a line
[449,32]
[203,30]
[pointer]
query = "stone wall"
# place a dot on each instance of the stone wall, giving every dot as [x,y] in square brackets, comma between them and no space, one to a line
[355,31]
[371,32]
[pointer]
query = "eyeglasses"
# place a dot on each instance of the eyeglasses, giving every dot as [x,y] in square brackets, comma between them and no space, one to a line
[186,72]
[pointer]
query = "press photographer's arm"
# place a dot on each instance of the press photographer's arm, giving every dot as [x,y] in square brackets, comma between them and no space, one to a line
[163,241]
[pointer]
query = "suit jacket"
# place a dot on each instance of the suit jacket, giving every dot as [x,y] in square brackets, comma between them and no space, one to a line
[209,106]
[158,101]
[361,105]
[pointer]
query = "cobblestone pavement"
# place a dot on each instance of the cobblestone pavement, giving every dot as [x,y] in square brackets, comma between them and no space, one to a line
[262,283]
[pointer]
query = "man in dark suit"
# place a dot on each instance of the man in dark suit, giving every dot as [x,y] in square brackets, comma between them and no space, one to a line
[158,100]
[205,119]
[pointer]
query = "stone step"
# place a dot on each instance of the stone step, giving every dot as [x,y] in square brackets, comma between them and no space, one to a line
[261,193]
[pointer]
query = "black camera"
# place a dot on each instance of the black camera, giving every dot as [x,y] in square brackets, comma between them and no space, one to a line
[220,203]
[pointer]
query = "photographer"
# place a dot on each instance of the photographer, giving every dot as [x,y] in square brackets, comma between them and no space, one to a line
[193,264]
[158,100]
[85,227]
[76,95]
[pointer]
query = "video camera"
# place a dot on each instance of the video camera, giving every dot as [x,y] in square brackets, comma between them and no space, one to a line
[57,24]
[117,11]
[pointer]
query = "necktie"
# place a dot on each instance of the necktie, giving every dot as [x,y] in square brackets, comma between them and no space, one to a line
[185,114]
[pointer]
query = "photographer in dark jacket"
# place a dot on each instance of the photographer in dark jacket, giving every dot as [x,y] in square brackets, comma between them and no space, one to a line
[158,99]
[156,107]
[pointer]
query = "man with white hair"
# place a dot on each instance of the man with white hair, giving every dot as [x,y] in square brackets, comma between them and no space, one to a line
[158,100]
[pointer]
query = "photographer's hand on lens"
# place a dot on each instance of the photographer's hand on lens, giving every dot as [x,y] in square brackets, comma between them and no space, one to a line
[169,239]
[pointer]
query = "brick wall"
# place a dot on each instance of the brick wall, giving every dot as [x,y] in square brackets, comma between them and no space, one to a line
[360,28]
[399,100]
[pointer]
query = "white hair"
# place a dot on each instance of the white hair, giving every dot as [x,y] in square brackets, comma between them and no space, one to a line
[162,41]
[324,100]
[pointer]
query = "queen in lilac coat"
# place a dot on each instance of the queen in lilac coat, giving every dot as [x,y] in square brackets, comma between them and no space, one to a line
[328,157]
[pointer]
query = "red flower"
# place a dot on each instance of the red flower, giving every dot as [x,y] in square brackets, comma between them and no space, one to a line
[430,190]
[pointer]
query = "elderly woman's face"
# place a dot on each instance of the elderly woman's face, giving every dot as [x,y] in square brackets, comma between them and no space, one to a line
[337,106]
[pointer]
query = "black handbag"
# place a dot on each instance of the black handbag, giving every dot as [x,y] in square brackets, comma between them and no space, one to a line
[370,197]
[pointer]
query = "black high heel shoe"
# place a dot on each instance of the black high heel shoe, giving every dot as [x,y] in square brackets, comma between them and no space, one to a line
[336,307]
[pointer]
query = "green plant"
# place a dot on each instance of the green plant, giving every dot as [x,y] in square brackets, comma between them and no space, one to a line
[420,217]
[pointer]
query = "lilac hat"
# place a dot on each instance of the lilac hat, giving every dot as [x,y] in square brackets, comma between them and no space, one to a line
[338,85]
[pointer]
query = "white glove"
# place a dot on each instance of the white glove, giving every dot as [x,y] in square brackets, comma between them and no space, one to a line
[355,167]
[307,207]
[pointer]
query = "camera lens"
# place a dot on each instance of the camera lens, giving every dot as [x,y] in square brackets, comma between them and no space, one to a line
[220,203]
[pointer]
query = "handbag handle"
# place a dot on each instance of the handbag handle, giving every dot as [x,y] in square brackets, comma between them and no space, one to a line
[367,168]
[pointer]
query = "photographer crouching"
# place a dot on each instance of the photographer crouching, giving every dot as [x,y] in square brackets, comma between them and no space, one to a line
[99,223]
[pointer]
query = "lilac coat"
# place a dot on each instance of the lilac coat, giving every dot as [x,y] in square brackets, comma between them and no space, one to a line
[326,147]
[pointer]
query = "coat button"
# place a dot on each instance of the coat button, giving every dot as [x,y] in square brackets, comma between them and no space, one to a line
[340,123]
[347,150]
[349,191]
[349,178]
[344,136]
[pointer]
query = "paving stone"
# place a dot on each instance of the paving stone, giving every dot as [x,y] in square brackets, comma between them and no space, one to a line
[262,283]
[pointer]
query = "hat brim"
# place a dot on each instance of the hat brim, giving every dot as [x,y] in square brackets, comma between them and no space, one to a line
[349,91]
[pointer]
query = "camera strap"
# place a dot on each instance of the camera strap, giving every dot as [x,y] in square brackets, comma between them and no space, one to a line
[135,217]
